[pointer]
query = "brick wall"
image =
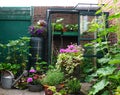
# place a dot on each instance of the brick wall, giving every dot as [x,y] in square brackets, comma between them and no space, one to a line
[112,36]
[40,13]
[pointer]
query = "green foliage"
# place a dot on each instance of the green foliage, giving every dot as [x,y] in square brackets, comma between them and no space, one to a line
[11,67]
[17,51]
[73,85]
[55,92]
[15,54]
[98,86]
[58,26]
[71,27]
[67,61]
[117,91]
[53,78]
[105,71]
[107,75]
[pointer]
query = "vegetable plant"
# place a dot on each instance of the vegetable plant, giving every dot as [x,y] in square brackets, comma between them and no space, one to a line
[107,72]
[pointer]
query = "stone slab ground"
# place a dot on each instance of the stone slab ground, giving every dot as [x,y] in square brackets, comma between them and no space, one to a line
[84,89]
[18,92]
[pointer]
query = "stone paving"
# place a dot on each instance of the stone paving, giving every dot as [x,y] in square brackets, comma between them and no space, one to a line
[84,89]
[18,92]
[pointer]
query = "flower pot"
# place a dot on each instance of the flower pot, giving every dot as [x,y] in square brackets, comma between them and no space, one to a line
[77,93]
[47,91]
[35,88]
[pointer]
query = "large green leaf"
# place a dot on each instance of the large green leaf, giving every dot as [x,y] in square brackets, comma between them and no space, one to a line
[104,60]
[105,71]
[115,15]
[98,86]
[114,61]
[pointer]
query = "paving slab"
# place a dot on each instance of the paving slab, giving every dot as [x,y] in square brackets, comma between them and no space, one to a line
[19,92]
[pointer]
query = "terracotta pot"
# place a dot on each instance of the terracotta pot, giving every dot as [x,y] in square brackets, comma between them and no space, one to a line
[47,91]
[59,87]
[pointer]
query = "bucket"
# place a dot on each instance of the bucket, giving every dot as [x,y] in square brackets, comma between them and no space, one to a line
[7,79]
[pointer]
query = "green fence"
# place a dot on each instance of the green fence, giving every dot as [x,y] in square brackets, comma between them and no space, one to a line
[14,22]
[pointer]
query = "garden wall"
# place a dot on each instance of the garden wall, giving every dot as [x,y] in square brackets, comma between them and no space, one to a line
[113,36]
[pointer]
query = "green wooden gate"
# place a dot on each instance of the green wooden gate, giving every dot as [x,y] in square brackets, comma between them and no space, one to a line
[14,22]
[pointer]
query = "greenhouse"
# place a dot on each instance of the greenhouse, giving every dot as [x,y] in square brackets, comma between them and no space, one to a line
[70,48]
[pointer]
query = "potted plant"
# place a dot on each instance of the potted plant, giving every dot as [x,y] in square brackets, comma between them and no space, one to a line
[71,27]
[34,81]
[56,92]
[58,26]
[37,40]
[53,78]
[70,58]
[38,29]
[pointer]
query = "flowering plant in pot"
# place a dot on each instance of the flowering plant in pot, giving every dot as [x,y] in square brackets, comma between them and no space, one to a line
[38,28]
[55,78]
[70,58]
[34,81]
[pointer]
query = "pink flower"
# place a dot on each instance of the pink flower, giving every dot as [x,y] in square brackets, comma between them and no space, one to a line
[68,50]
[32,71]
[71,46]
[62,50]
[74,50]
[35,76]
[29,79]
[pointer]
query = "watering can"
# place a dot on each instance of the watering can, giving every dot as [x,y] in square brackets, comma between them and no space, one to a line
[7,79]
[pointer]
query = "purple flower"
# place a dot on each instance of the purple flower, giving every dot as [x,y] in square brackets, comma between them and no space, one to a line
[32,71]
[39,31]
[39,28]
[29,79]
[31,28]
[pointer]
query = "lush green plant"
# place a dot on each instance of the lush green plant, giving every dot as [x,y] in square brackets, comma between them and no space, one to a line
[17,51]
[71,27]
[41,66]
[107,73]
[15,54]
[69,58]
[53,78]
[10,67]
[117,91]
[58,26]
[73,85]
